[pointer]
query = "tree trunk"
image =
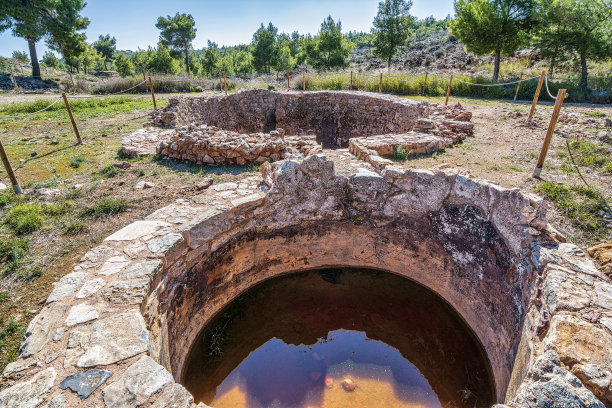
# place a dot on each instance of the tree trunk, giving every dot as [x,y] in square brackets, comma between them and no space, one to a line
[187,59]
[496,65]
[389,65]
[583,78]
[34,58]
[552,66]
[105,68]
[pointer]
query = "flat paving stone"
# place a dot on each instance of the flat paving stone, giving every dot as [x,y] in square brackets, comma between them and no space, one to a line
[85,383]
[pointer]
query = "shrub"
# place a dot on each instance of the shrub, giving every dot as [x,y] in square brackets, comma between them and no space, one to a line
[9,329]
[76,161]
[51,183]
[399,154]
[105,208]
[32,273]
[57,209]
[24,218]
[74,227]
[109,171]
[6,198]
[12,252]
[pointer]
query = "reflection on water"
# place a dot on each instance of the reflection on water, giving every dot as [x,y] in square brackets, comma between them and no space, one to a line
[282,375]
[292,341]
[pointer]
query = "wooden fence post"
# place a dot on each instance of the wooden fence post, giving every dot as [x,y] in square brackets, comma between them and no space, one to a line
[144,78]
[72,80]
[536,96]
[425,84]
[380,84]
[225,83]
[152,93]
[351,80]
[549,132]
[74,125]
[450,82]
[9,170]
[288,86]
[518,86]
[220,81]
[304,80]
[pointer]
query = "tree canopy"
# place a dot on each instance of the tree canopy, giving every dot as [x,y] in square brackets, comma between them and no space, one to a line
[177,33]
[58,21]
[106,46]
[264,42]
[493,26]
[392,28]
[330,48]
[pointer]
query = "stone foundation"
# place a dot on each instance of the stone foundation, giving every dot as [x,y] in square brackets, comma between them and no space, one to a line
[209,145]
[117,330]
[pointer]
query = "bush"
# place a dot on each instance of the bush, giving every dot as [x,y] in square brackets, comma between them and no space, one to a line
[105,208]
[76,161]
[24,218]
[109,171]
[12,252]
[124,65]
[21,56]
[51,183]
[399,154]
[73,227]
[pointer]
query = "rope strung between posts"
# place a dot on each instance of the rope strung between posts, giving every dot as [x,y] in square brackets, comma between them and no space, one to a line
[502,84]
[547,90]
[33,113]
[110,94]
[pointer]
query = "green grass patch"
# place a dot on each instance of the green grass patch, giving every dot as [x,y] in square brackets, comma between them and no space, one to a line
[595,114]
[51,183]
[106,207]
[589,154]
[12,253]
[582,205]
[109,171]
[75,162]
[12,327]
[74,227]
[24,218]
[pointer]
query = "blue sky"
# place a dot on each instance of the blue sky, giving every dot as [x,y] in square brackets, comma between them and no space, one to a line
[228,22]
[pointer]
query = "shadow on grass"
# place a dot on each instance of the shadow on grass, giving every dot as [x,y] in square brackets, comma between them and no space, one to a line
[187,167]
[40,156]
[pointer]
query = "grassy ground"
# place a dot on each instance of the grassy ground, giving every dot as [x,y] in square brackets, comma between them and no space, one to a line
[42,236]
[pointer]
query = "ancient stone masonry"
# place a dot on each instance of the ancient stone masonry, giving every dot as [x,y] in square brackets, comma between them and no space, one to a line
[117,330]
[245,128]
[202,144]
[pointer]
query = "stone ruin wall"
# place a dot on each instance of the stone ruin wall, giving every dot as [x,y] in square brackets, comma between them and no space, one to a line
[115,331]
[203,144]
[208,130]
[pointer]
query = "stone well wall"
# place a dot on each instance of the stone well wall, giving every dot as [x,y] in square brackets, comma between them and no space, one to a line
[334,117]
[117,330]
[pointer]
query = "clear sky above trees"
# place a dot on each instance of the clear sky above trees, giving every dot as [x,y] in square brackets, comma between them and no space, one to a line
[215,22]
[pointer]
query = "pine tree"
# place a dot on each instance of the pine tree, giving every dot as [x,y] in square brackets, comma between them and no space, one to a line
[264,43]
[56,21]
[177,33]
[392,28]
[493,26]
[106,46]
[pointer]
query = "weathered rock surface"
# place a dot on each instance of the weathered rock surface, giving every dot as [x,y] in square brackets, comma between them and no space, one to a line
[85,383]
[542,310]
[27,394]
[137,384]
[108,340]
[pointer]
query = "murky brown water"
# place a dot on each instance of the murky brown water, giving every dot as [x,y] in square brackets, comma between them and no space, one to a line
[292,341]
